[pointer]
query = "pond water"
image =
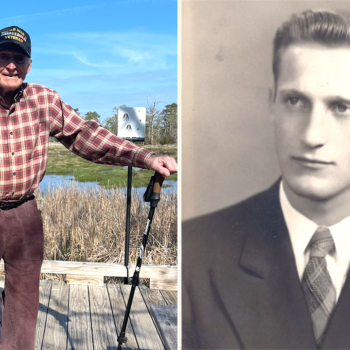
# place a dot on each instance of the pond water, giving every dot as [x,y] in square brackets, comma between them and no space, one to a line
[54,181]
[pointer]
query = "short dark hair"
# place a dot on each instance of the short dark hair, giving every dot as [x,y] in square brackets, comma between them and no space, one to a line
[324,27]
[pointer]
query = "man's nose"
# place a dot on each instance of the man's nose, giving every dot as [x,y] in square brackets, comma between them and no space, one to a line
[11,65]
[315,130]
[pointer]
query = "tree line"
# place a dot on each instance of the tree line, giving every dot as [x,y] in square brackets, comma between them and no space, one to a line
[161,125]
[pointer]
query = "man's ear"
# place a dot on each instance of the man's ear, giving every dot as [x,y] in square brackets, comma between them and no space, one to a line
[272,97]
[29,65]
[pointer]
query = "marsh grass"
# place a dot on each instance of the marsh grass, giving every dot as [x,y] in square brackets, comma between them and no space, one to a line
[83,225]
[63,162]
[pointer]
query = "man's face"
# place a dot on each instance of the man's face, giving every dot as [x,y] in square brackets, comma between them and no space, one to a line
[14,66]
[312,120]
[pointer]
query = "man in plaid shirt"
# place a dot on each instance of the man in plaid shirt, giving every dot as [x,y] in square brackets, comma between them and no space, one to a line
[29,115]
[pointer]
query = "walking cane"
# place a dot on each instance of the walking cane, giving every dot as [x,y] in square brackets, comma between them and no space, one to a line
[151,195]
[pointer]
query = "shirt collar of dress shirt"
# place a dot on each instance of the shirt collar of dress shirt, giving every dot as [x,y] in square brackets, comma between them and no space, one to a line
[17,94]
[301,230]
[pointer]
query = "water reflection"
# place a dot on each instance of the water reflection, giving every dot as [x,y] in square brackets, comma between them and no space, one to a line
[54,181]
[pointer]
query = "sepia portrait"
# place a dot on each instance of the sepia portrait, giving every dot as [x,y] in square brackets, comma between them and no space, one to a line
[266,174]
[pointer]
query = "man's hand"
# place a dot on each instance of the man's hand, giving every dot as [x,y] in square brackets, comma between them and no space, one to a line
[163,165]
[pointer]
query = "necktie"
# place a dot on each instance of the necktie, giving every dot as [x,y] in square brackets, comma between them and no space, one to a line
[317,283]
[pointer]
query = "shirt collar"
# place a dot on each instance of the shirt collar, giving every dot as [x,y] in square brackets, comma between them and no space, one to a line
[301,229]
[17,94]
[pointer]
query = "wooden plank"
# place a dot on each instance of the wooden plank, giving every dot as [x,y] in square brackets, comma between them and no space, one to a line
[79,322]
[44,297]
[103,328]
[80,268]
[84,268]
[118,308]
[57,318]
[170,296]
[87,280]
[142,323]
[161,277]
[165,317]
[151,297]
[164,283]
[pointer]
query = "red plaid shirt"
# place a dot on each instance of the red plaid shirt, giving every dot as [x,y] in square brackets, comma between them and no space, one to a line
[25,127]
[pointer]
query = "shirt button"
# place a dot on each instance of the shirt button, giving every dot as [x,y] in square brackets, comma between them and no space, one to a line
[11,133]
[13,193]
[13,153]
[14,174]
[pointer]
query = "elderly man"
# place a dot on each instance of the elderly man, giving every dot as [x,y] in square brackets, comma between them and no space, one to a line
[29,115]
[272,272]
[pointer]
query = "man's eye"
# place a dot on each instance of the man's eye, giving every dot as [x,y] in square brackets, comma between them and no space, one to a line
[19,58]
[293,100]
[296,102]
[342,108]
[4,57]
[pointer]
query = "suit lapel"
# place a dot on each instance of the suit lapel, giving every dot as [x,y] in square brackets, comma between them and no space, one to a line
[264,299]
[337,335]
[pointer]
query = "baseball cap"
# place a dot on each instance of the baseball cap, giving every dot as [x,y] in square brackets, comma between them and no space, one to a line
[17,36]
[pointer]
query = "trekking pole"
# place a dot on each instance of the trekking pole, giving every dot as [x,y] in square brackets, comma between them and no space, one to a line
[151,195]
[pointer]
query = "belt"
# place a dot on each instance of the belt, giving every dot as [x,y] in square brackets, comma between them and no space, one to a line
[12,205]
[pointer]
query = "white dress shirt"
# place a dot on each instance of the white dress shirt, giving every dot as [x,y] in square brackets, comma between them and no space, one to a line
[301,229]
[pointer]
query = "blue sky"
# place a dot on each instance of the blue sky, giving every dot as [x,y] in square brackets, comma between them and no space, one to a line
[100,55]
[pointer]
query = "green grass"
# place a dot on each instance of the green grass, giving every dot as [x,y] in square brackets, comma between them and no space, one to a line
[63,162]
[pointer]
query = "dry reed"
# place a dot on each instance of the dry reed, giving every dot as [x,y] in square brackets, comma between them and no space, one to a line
[89,225]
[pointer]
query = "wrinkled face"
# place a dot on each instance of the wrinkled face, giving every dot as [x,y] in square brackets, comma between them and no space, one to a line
[312,120]
[14,66]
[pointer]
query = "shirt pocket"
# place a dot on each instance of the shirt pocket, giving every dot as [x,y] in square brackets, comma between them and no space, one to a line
[36,144]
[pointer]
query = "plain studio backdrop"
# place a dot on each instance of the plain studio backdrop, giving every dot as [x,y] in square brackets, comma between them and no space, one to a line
[228,150]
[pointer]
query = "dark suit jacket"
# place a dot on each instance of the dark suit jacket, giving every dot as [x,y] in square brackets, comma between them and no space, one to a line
[240,286]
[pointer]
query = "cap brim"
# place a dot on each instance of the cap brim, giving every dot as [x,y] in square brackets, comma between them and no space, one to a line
[16,46]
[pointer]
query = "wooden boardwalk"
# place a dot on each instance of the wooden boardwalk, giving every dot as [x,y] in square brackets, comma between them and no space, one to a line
[80,317]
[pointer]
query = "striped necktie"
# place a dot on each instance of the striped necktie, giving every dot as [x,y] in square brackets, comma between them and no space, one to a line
[317,283]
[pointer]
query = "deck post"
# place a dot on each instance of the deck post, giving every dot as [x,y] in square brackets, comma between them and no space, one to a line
[127,228]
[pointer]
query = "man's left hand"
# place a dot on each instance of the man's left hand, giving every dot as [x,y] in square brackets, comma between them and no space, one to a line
[163,165]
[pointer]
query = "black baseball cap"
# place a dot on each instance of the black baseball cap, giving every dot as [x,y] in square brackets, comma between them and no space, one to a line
[17,36]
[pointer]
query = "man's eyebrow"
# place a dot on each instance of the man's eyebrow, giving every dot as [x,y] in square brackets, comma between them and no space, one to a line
[338,98]
[293,92]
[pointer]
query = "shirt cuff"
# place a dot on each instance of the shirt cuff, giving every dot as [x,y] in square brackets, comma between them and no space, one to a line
[141,160]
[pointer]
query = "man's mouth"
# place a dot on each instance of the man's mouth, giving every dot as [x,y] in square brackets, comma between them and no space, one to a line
[313,162]
[10,75]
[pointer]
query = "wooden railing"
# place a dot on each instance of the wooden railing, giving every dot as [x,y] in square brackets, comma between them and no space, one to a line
[161,277]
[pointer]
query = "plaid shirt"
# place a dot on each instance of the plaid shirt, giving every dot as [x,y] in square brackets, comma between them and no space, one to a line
[25,127]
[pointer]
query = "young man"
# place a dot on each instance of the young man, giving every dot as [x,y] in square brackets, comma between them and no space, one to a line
[271,272]
[29,115]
